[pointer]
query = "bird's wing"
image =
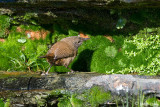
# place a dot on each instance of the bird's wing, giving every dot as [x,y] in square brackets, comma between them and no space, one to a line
[62,50]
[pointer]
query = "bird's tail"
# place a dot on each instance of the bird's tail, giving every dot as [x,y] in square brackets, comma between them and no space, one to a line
[44,56]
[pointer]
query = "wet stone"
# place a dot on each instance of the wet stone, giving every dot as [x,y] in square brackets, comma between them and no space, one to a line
[32,89]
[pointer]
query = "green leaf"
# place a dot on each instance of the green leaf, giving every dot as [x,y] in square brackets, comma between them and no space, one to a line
[72,33]
[22,40]
[1,102]
[7,104]
[149,30]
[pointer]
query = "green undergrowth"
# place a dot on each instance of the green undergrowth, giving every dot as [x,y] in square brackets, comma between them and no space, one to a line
[137,54]
[94,97]
[21,54]
[89,98]
[4,25]
[4,103]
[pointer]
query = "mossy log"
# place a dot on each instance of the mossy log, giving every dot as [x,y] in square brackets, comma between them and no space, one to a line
[65,8]
[89,16]
[22,87]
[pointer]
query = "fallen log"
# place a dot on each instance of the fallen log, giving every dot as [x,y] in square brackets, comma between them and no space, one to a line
[23,87]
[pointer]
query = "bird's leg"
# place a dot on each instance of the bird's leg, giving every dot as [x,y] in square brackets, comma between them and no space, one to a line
[70,70]
[47,70]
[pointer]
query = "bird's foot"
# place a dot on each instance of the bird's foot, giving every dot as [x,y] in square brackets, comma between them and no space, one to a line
[44,73]
[50,74]
[72,72]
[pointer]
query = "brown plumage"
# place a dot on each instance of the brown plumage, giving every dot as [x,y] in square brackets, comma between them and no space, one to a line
[63,52]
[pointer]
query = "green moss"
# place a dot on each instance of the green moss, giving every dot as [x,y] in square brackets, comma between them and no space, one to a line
[99,61]
[152,102]
[96,96]
[75,102]
[92,97]
[4,24]
[4,103]
[64,102]
[88,98]
[105,53]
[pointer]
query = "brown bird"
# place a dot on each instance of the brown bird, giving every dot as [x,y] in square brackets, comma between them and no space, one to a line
[63,52]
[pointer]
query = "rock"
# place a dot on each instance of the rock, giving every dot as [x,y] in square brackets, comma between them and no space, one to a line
[24,89]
